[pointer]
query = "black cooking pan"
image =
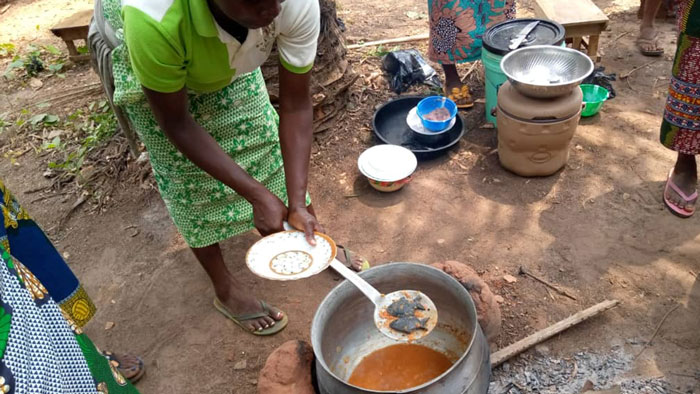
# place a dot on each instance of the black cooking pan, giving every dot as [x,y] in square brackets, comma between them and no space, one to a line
[390,127]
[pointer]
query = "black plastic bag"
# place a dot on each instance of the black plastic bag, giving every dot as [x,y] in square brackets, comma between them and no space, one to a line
[406,68]
[600,78]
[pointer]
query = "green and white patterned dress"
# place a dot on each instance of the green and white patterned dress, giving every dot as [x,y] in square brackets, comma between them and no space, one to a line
[171,44]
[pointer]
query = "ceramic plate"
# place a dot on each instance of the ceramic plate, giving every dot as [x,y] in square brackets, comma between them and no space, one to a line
[387,163]
[414,122]
[287,256]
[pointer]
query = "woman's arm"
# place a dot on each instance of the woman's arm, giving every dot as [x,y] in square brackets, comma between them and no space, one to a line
[296,134]
[171,112]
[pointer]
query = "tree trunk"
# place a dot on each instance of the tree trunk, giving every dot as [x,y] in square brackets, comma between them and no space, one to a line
[330,77]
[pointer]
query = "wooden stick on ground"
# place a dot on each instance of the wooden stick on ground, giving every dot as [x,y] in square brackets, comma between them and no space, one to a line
[658,327]
[627,74]
[397,40]
[556,288]
[507,352]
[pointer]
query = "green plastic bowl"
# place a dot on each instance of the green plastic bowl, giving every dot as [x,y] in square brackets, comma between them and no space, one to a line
[593,98]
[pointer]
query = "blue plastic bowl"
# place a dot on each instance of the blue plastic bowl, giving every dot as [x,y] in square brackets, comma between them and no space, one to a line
[431,103]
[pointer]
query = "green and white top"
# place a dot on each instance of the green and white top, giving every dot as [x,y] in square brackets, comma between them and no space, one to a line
[176,43]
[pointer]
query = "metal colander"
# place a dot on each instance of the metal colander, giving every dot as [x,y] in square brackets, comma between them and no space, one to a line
[545,71]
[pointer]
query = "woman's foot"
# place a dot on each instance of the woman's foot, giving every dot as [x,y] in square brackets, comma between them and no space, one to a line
[131,367]
[233,296]
[242,303]
[648,42]
[681,190]
[455,90]
[355,263]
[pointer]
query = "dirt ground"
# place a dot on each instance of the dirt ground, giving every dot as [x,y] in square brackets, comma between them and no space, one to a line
[598,228]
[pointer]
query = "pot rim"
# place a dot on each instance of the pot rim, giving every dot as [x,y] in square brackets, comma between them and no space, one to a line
[473,328]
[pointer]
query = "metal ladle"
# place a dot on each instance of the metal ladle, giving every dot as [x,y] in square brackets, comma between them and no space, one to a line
[382,318]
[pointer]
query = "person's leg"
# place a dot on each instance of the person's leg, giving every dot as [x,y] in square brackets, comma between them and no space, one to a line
[454,88]
[685,176]
[451,77]
[234,295]
[647,42]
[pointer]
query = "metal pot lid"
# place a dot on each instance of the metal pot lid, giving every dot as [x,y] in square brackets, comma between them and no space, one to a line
[527,108]
[498,37]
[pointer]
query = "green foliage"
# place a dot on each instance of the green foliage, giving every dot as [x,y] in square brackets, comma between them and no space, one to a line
[93,128]
[15,64]
[4,122]
[7,49]
[52,50]
[379,50]
[43,120]
[34,60]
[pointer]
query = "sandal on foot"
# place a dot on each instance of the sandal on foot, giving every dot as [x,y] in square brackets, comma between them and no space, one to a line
[649,43]
[675,209]
[348,259]
[239,319]
[461,97]
[133,373]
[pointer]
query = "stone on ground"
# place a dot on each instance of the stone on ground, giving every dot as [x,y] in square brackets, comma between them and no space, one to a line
[487,309]
[288,370]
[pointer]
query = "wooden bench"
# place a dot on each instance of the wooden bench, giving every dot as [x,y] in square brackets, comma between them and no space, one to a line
[75,27]
[582,19]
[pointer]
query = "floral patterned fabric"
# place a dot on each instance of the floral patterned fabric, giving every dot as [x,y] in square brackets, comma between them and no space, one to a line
[244,123]
[457,27]
[680,129]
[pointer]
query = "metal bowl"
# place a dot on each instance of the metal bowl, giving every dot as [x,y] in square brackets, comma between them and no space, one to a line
[545,71]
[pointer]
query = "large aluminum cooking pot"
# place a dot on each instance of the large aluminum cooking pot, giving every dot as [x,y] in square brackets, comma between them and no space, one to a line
[343,331]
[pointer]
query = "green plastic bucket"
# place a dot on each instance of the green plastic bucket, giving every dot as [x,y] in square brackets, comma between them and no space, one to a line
[593,98]
[494,79]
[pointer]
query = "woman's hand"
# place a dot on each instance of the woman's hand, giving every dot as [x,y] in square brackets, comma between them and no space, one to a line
[303,219]
[269,214]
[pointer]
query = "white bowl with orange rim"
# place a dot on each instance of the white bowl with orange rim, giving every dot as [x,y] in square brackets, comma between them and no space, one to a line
[387,167]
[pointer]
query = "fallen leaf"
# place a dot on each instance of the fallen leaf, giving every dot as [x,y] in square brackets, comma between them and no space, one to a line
[498,299]
[109,325]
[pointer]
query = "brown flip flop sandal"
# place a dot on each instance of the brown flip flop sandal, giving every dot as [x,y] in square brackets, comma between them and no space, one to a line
[239,319]
[461,95]
[652,43]
[133,374]
[348,259]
